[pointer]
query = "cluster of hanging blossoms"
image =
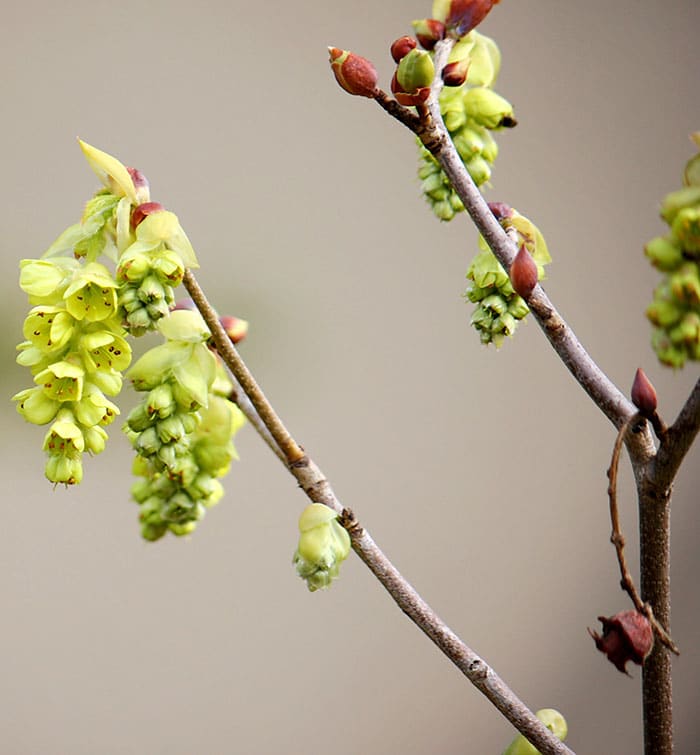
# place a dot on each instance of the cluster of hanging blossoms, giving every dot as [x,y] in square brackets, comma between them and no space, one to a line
[76,348]
[675,310]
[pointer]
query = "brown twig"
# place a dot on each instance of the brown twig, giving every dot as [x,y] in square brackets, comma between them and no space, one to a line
[227,351]
[318,490]
[618,539]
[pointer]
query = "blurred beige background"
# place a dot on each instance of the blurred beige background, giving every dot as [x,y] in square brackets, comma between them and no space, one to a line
[481,473]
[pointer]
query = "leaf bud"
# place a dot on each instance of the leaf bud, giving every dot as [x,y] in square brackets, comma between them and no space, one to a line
[401,47]
[455,74]
[627,636]
[429,31]
[644,394]
[523,273]
[461,16]
[355,74]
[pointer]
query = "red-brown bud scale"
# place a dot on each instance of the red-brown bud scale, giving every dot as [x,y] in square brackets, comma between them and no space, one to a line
[643,394]
[523,273]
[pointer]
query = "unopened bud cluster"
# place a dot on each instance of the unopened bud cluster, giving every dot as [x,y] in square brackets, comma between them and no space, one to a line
[323,545]
[499,307]
[182,430]
[471,111]
[675,309]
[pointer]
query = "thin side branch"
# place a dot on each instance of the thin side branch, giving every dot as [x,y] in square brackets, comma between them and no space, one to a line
[227,351]
[677,440]
[618,540]
[318,490]
[435,137]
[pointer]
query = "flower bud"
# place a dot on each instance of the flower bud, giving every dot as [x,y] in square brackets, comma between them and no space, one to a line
[553,720]
[355,74]
[455,74]
[627,636]
[401,47]
[488,108]
[236,329]
[644,394]
[686,230]
[416,71]
[323,545]
[429,31]
[688,196]
[663,253]
[523,273]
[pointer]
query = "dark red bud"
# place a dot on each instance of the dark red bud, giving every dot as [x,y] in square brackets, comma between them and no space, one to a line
[140,181]
[355,74]
[643,394]
[523,272]
[627,636]
[501,210]
[464,15]
[147,208]
[236,329]
[429,31]
[401,47]
[455,74]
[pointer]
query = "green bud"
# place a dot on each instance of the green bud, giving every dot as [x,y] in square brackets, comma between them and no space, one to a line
[663,253]
[133,265]
[64,469]
[488,109]
[415,71]
[153,532]
[686,230]
[323,545]
[673,203]
[160,401]
[479,169]
[95,439]
[148,442]
[151,289]
[553,720]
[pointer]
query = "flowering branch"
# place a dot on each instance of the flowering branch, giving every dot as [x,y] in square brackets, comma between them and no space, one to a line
[318,490]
